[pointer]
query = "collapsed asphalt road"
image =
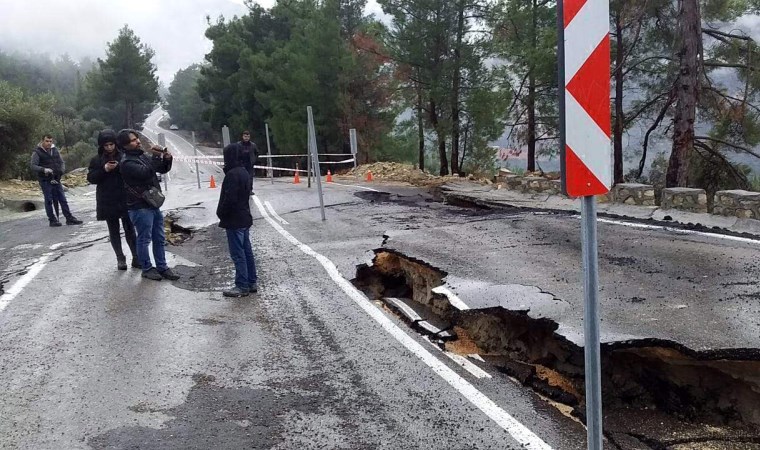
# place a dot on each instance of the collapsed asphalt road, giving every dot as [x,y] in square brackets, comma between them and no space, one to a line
[97,358]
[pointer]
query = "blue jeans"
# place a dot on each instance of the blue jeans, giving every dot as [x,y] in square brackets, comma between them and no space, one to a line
[149,224]
[241,253]
[53,192]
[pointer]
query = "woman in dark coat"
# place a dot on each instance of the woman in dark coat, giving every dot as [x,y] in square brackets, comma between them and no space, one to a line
[111,197]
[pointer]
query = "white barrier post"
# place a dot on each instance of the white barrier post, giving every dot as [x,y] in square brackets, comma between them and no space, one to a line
[225,136]
[315,159]
[270,171]
[354,149]
[195,153]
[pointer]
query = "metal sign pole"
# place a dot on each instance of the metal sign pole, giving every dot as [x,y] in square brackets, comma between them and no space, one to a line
[270,171]
[354,147]
[308,156]
[585,163]
[195,153]
[225,136]
[315,160]
[591,323]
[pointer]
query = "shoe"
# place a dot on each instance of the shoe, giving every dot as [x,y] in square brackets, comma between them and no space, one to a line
[73,221]
[235,292]
[152,274]
[136,264]
[169,275]
[55,224]
[254,288]
[121,263]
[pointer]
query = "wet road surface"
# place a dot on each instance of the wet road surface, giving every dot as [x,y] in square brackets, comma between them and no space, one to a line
[95,358]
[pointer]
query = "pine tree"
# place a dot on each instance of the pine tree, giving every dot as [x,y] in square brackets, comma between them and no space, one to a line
[127,75]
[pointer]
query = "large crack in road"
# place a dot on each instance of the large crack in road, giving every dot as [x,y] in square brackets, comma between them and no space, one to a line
[657,394]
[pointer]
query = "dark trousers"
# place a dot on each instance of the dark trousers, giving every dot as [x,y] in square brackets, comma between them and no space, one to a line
[114,234]
[54,192]
[239,241]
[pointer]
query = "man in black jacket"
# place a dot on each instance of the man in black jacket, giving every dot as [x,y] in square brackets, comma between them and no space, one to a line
[49,167]
[234,212]
[248,153]
[138,171]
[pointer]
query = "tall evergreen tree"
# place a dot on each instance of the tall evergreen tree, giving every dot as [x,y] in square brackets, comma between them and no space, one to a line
[127,75]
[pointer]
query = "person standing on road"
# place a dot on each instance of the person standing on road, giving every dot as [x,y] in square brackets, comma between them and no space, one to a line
[50,167]
[138,172]
[234,212]
[248,154]
[110,197]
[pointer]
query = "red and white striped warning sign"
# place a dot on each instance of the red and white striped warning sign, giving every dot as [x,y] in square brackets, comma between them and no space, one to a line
[587,159]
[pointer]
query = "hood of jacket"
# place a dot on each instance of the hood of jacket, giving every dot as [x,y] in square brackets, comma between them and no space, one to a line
[104,137]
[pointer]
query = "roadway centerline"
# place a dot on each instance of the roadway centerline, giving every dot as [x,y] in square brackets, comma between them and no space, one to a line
[517,430]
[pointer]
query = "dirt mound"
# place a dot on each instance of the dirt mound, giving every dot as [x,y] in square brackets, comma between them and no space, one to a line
[407,173]
[75,178]
[19,189]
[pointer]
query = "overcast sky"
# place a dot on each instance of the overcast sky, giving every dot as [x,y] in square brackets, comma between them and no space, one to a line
[173,28]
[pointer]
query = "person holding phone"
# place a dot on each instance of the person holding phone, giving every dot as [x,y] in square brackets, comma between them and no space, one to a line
[138,172]
[110,197]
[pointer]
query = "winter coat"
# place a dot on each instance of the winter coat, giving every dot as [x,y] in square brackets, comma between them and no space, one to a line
[138,171]
[234,209]
[248,154]
[110,195]
[42,160]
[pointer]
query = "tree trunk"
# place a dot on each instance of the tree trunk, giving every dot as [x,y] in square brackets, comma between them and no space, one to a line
[455,91]
[531,101]
[420,129]
[441,139]
[128,109]
[687,93]
[464,144]
[619,112]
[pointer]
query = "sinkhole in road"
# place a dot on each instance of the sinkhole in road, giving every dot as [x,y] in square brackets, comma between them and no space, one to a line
[659,394]
[175,234]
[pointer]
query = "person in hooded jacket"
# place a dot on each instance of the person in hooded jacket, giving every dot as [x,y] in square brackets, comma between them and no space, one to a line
[110,197]
[234,212]
[138,171]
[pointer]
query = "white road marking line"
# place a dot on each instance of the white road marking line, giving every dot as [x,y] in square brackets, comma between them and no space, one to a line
[679,231]
[516,429]
[274,213]
[56,246]
[455,301]
[476,371]
[354,185]
[476,357]
[21,283]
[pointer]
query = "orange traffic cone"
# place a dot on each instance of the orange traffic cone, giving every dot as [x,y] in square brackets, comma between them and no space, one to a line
[329,176]
[296,179]
[212,184]
[369,175]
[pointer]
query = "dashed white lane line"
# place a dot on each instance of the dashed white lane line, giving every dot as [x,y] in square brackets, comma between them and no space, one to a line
[679,231]
[21,283]
[455,301]
[274,213]
[56,246]
[516,429]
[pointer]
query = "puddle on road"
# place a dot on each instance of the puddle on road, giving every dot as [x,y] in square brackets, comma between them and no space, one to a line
[698,398]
